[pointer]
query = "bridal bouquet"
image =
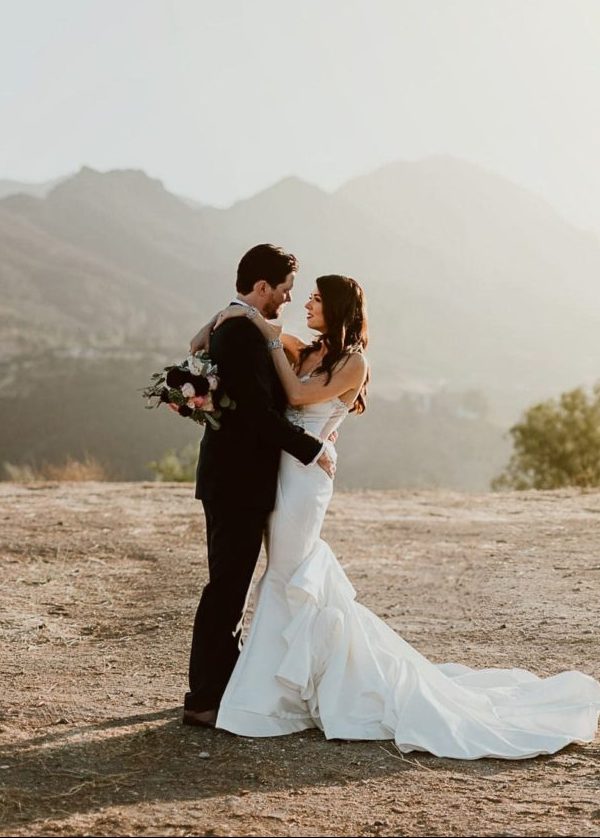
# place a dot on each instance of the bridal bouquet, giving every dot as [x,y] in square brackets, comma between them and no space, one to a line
[190,389]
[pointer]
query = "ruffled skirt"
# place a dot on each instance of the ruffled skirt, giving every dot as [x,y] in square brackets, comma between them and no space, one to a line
[314,657]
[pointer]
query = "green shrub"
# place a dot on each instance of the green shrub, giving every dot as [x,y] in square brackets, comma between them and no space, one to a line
[176,466]
[556,444]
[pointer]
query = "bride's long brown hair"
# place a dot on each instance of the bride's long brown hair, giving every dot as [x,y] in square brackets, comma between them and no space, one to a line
[345,315]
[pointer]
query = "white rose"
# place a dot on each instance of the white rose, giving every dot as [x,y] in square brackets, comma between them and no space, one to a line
[188,390]
[195,365]
[212,382]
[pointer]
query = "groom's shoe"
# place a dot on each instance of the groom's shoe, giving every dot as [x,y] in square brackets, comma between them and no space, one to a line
[199,718]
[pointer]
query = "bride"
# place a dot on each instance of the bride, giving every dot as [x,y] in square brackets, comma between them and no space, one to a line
[314,657]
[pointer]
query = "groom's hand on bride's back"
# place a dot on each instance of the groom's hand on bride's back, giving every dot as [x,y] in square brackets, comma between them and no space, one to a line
[327,463]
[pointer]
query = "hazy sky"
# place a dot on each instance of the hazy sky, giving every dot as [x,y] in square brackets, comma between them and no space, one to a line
[220,99]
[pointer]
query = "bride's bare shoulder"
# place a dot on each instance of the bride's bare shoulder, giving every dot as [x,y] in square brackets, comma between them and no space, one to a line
[354,361]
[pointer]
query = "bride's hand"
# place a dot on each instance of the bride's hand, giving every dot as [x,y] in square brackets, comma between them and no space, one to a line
[268,330]
[229,313]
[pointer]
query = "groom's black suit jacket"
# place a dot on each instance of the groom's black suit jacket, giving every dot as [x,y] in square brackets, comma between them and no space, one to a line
[239,462]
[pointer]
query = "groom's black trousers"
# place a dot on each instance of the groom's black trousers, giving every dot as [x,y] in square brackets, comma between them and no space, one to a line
[234,535]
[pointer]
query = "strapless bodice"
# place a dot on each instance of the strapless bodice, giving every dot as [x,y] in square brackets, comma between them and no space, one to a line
[319,419]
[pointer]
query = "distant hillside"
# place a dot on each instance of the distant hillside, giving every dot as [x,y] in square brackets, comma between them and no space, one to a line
[57,294]
[129,220]
[505,294]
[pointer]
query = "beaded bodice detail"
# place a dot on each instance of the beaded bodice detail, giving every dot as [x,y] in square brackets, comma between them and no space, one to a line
[319,419]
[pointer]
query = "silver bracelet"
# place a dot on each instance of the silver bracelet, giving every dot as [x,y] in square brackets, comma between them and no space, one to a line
[251,312]
[275,343]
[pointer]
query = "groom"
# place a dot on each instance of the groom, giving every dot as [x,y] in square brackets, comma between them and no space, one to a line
[237,474]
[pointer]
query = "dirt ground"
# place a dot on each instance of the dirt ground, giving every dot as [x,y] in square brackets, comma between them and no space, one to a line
[99,587]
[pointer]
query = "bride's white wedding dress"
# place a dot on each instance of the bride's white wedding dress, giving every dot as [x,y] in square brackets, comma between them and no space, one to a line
[314,657]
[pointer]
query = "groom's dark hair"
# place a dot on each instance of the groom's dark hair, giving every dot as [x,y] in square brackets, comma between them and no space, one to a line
[265,261]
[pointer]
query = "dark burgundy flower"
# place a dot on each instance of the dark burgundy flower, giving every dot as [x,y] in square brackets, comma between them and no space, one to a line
[164,395]
[201,385]
[176,377]
[184,410]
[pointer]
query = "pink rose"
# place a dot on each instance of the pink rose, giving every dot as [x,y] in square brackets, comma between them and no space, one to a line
[197,401]
[212,382]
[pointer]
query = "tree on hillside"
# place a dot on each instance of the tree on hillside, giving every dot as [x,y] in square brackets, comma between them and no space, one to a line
[556,444]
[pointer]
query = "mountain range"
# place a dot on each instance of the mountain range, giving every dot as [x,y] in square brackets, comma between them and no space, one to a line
[473,283]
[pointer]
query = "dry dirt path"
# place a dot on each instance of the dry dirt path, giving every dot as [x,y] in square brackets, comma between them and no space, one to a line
[99,587]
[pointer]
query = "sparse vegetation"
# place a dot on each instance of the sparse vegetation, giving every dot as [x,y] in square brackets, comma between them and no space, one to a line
[176,466]
[89,468]
[556,444]
[20,473]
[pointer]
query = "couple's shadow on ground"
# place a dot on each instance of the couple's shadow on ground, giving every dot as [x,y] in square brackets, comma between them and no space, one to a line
[151,757]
